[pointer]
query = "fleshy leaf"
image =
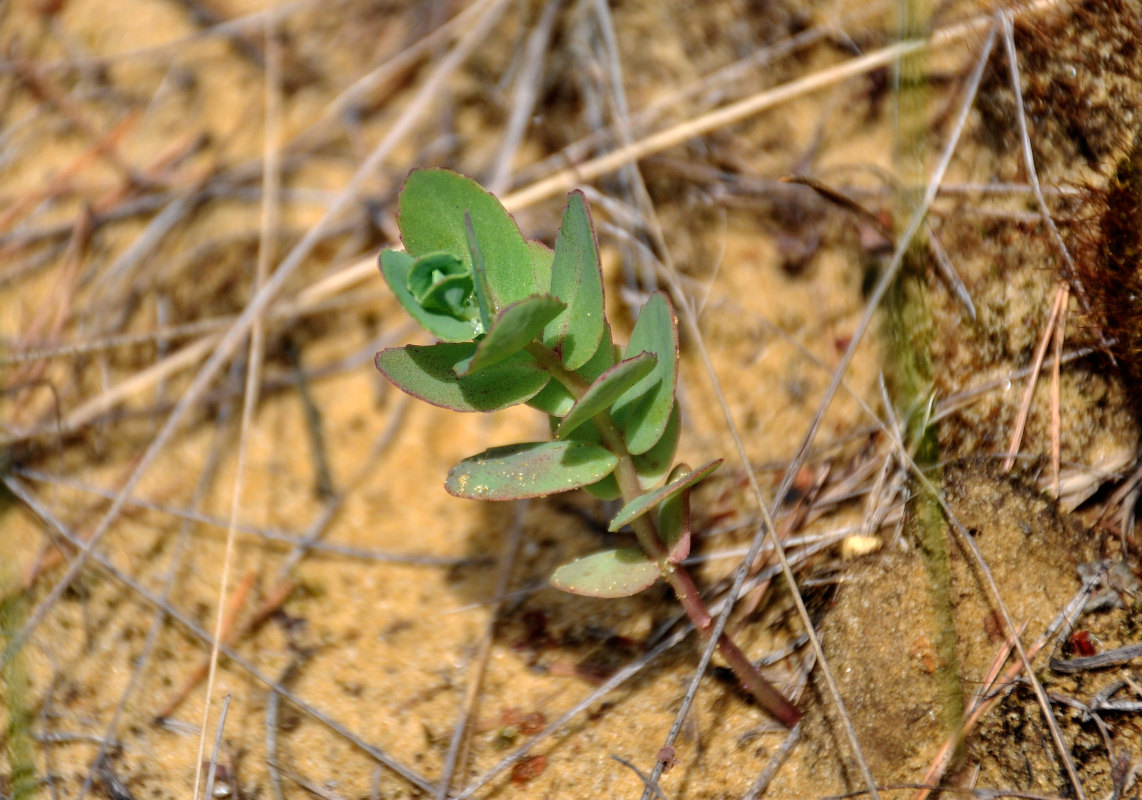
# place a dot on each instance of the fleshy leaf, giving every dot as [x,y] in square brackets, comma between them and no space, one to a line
[542,257]
[643,503]
[515,326]
[611,573]
[433,270]
[587,433]
[653,465]
[533,469]
[396,267]
[605,390]
[605,357]
[429,373]
[557,401]
[643,412]
[480,289]
[606,489]
[577,280]
[431,213]
[554,400]
[674,521]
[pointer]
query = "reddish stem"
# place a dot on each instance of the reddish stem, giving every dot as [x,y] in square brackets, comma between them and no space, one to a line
[675,574]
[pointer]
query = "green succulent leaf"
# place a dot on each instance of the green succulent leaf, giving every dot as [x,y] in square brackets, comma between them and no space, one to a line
[674,520]
[577,279]
[587,433]
[429,374]
[436,279]
[431,216]
[606,489]
[605,358]
[554,400]
[542,257]
[516,326]
[643,412]
[533,469]
[611,573]
[653,465]
[397,267]
[480,288]
[643,503]
[605,390]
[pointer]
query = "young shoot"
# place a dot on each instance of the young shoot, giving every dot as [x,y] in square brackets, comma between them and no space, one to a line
[518,323]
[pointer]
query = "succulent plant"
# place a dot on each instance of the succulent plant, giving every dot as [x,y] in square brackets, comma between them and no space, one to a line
[518,322]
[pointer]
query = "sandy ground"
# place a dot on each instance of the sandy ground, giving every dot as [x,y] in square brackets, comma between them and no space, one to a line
[131,200]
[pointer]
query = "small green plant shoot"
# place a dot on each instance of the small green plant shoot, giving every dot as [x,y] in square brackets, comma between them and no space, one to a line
[520,323]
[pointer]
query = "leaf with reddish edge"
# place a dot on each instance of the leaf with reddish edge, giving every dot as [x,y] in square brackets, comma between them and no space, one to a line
[577,280]
[611,573]
[653,465]
[541,259]
[605,390]
[431,214]
[554,400]
[533,469]
[514,328]
[643,412]
[644,502]
[674,520]
[396,268]
[429,374]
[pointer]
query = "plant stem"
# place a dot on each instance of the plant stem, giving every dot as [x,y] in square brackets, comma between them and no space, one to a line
[910,370]
[675,574]
[687,593]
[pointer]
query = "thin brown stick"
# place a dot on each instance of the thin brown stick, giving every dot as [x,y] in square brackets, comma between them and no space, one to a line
[63,179]
[1056,415]
[104,563]
[655,143]
[51,315]
[526,91]
[392,68]
[271,186]
[202,486]
[225,632]
[213,771]
[46,88]
[269,606]
[1020,423]
[285,584]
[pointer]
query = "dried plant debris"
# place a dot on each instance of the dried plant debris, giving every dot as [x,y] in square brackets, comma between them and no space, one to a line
[1108,261]
[1080,68]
